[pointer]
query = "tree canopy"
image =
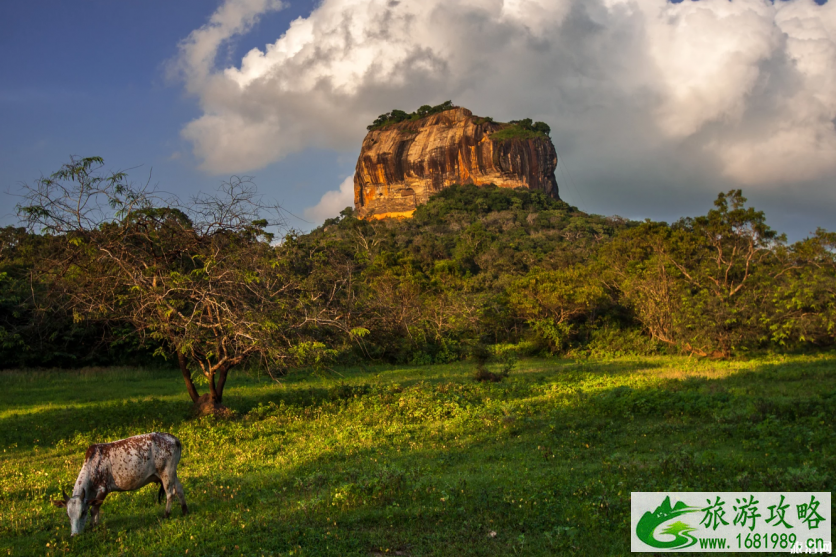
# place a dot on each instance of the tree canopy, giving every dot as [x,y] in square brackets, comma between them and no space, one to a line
[203,284]
[396,116]
[200,280]
[515,129]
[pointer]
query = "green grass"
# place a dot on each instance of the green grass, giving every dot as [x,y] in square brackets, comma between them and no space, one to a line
[416,460]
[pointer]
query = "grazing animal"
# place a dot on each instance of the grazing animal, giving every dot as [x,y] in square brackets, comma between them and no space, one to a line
[124,465]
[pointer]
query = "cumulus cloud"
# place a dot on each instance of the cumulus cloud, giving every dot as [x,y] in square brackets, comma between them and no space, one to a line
[198,51]
[707,55]
[332,202]
[744,90]
[796,139]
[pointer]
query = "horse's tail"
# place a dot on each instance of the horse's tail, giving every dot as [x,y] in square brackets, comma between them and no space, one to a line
[160,494]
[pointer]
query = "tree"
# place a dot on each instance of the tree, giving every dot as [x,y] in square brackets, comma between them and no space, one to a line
[36,327]
[703,284]
[727,261]
[201,279]
[802,304]
[638,268]
[550,300]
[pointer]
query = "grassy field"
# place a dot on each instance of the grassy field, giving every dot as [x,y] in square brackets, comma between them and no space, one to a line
[416,460]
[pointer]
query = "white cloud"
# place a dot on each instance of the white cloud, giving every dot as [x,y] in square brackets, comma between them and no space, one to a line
[198,51]
[796,140]
[707,54]
[746,87]
[538,16]
[332,202]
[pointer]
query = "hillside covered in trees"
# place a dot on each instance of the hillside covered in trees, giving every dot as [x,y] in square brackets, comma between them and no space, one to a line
[477,269]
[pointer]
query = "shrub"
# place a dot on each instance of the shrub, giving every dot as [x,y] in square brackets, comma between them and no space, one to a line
[522,129]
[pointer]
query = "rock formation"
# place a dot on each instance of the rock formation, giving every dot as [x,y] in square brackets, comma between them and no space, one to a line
[401,165]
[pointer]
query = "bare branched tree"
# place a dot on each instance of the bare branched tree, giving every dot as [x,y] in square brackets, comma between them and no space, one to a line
[202,279]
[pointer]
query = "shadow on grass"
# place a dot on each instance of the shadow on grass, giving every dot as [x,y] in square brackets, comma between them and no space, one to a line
[104,410]
[24,390]
[549,477]
[99,423]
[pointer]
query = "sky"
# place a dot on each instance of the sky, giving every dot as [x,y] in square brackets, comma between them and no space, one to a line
[654,106]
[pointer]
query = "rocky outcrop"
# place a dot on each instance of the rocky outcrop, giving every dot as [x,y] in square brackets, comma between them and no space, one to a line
[402,165]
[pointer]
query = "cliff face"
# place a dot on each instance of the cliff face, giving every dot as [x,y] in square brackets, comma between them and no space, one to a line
[402,164]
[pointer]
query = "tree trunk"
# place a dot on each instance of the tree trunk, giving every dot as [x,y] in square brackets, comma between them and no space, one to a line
[209,403]
[213,390]
[187,377]
[219,387]
[212,402]
[205,405]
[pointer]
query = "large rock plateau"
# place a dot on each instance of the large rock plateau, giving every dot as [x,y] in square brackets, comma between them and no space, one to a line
[401,165]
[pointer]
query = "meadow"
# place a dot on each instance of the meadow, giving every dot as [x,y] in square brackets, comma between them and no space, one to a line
[415,460]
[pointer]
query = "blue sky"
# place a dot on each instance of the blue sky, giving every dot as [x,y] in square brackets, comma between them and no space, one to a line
[654,108]
[89,78]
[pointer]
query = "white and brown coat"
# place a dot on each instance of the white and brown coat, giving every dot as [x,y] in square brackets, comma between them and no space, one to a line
[124,465]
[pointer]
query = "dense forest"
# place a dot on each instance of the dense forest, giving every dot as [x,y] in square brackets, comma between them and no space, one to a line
[477,270]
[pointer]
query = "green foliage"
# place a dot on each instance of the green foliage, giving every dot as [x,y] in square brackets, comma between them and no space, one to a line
[397,116]
[475,265]
[201,283]
[361,462]
[36,326]
[492,365]
[609,339]
[522,129]
[551,301]
[312,355]
[725,282]
[482,264]
[429,287]
[516,129]
[472,201]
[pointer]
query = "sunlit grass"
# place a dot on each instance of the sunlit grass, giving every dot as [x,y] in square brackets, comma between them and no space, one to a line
[415,460]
